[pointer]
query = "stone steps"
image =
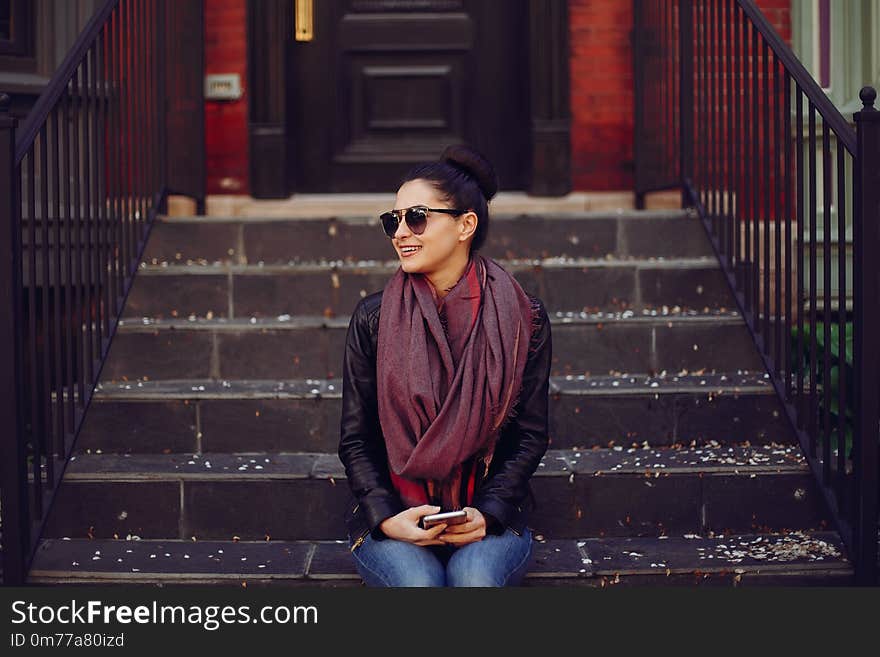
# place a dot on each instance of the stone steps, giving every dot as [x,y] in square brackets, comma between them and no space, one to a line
[663,424]
[334,289]
[201,415]
[672,234]
[239,241]
[290,347]
[793,558]
[642,491]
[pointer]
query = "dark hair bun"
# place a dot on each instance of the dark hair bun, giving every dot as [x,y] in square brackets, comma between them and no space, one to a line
[475,165]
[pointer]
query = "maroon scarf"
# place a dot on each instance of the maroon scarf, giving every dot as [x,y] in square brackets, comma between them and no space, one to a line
[445,391]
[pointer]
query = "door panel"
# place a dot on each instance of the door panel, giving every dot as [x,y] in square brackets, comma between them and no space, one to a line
[386,84]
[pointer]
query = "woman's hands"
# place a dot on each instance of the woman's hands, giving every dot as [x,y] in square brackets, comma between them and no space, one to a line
[405,526]
[467,532]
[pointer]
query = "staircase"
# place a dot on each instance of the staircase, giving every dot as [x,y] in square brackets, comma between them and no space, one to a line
[209,453]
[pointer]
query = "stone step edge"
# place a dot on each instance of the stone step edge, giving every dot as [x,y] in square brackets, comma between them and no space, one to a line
[356,218]
[219,268]
[616,461]
[298,322]
[718,384]
[799,551]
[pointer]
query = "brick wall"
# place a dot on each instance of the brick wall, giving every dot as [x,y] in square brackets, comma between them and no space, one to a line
[226,121]
[779,14]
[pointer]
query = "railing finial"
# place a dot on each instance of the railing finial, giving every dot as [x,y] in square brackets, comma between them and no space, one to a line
[868,95]
[5,102]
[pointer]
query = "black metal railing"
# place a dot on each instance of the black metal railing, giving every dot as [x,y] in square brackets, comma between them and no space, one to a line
[762,155]
[81,181]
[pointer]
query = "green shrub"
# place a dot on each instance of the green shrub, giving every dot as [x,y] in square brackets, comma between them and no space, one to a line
[837,364]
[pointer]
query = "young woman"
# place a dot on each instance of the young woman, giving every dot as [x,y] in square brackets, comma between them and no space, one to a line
[445,393]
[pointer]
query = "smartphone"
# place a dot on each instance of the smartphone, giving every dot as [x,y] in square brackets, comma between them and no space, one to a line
[449,517]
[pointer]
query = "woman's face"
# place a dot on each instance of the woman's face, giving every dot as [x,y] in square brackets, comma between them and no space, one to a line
[443,234]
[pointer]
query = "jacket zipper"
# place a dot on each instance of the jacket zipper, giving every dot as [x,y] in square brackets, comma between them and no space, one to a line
[360,540]
[362,537]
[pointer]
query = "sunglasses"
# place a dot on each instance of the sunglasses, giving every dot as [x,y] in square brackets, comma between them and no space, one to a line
[416,218]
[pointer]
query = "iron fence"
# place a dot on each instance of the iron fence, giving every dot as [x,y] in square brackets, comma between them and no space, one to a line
[782,182]
[81,181]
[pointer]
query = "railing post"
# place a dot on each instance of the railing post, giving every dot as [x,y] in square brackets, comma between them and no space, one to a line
[636,38]
[686,98]
[162,90]
[13,465]
[866,357]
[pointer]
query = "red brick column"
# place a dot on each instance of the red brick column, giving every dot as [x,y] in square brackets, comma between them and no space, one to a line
[226,135]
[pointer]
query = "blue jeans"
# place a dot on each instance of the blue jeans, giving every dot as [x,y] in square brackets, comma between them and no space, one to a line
[493,561]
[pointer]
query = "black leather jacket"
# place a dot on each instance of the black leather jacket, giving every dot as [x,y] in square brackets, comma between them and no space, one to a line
[500,494]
